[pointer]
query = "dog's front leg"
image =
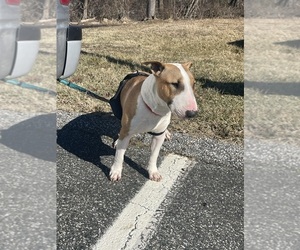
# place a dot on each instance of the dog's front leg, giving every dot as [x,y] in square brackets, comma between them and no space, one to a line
[116,169]
[156,144]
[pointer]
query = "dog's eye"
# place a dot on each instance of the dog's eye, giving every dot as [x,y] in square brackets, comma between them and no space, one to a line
[175,85]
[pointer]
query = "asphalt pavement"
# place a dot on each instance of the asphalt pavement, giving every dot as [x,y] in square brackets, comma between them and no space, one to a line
[59,197]
[272,195]
[27,181]
[202,210]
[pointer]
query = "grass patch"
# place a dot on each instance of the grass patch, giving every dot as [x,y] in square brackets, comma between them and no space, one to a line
[265,59]
[270,59]
[110,52]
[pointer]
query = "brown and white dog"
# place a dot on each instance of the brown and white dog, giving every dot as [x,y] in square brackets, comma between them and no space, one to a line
[147,103]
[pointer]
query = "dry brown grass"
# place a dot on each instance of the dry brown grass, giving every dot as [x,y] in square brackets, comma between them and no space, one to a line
[110,52]
[272,117]
[264,59]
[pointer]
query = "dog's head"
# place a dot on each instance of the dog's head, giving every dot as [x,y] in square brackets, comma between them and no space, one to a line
[175,85]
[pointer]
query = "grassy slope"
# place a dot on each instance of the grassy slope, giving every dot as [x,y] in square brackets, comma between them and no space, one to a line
[110,52]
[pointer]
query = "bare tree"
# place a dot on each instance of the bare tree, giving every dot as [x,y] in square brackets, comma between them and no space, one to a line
[85,9]
[151,9]
[232,2]
[46,9]
[160,5]
[191,8]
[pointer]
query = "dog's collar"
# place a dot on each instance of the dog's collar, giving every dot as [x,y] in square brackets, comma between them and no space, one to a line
[150,109]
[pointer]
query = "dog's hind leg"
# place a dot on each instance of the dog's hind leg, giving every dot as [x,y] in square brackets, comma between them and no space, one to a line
[116,169]
[157,141]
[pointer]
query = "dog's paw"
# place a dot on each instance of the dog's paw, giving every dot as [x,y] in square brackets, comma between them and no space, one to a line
[155,176]
[168,135]
[115,175]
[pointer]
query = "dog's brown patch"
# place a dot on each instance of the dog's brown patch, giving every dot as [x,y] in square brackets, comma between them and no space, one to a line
[129,98]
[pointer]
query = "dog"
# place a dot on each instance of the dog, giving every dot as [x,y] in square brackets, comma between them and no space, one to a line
[146,102]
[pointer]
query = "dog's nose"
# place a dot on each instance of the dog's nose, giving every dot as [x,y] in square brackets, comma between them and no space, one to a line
[190,113]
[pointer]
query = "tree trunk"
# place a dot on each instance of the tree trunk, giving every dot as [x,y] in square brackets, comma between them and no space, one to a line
[46,9]
[161,6]
[190,10]
[151,9]
[85,9]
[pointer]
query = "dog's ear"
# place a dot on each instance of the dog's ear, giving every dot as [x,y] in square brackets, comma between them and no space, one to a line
[156,67]
[187,65]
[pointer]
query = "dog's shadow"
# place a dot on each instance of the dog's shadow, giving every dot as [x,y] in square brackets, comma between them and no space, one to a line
[84,135]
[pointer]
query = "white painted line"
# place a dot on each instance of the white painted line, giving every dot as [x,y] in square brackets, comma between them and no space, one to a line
[129,229]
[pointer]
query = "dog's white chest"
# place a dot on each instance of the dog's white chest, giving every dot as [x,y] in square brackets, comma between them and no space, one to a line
[147,121]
